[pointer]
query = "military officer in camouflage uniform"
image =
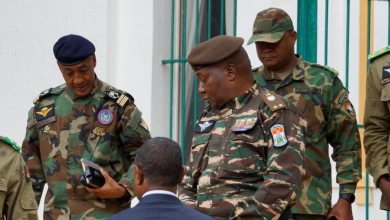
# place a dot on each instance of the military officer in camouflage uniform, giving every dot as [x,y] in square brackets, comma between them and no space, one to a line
[320,95]
[377,122]
[247,155]
[17,199]
[84,118]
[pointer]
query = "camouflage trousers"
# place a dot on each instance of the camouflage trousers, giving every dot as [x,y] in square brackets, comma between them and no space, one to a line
[309,217]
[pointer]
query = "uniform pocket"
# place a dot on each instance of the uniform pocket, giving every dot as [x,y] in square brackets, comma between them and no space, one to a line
[99,146]
[313,112]
[28,203]
[198,159]
[244,153]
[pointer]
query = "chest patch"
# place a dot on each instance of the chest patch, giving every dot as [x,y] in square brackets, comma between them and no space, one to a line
[204,126]
[386,72]
[278,135]
[244,124]
[105,116]
[45,112]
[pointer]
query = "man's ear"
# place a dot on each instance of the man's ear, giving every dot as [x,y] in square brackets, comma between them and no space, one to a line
[293,36]
[138,175]
[230,72]
[183,173]
[94,60]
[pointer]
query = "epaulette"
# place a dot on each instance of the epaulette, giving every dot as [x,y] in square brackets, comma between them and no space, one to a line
[379,52]
[47,92]
[330,69]
[121,98]
[273,101]
[10,142]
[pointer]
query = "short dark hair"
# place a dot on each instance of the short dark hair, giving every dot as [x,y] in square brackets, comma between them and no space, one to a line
[160,160]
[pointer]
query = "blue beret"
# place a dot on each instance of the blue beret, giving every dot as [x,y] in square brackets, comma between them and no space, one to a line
[72,49]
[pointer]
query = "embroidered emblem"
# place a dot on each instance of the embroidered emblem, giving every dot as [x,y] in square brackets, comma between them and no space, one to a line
[27,173]
[204,126]
[3,153]
[44,111]
[113,94]
[105,116]
[342,98]
[144,125]
[278,135]
[270,97]
[3,184]
[349,108]
[244,124]
[99,131]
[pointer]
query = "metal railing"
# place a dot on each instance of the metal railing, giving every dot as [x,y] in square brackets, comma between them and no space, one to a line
[306,46]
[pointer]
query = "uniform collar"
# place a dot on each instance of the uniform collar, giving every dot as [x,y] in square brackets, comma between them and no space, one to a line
[95,87]
[298,73]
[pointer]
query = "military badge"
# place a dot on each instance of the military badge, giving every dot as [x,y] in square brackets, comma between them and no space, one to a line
[278,136]
[105,116]
[350,109]
[27,173]
[204,126]
[45,112]
[99,131]
[46,129]
[244,124]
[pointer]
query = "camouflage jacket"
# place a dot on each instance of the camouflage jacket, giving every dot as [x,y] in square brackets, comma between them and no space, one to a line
[247,159]
[376,117]
[16,195]
[320,95]
[105,127]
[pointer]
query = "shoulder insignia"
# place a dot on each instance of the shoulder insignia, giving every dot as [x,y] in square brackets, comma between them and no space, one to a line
[255,69]
[335,72]
[118,97]
[10,142]
[273,101]
[330,69]
[379,52]
[47,92]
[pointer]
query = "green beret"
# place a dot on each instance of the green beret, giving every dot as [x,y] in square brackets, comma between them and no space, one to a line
[214,50]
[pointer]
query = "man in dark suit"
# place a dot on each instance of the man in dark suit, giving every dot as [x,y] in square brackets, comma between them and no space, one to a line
[157,172]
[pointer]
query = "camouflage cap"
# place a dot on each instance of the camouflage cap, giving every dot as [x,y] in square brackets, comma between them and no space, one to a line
[214,50]
[270,25]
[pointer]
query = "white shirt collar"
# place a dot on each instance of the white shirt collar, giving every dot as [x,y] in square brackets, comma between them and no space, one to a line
[159,192]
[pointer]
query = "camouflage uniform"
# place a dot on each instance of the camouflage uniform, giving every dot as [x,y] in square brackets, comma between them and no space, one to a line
[377,117]
[63,128]
[317,92]
[237,168]
[16,195]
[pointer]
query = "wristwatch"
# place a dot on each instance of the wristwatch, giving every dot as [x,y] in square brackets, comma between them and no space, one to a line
[350,197]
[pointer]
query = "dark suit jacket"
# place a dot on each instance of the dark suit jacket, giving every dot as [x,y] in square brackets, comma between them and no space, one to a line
[160,206]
